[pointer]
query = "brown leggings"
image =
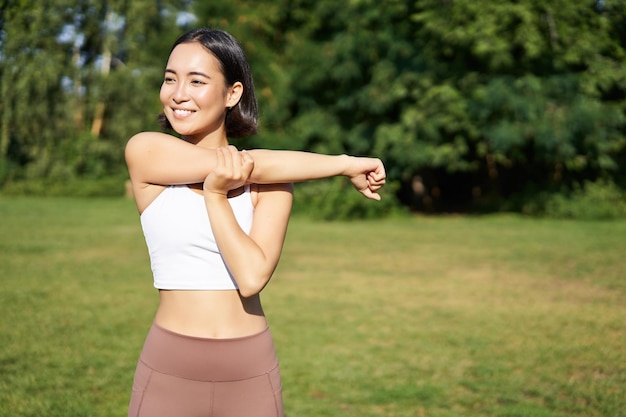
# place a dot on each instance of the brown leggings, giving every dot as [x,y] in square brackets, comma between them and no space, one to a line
[185,376]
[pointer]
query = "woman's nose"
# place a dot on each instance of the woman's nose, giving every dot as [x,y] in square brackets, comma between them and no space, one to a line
[180,94]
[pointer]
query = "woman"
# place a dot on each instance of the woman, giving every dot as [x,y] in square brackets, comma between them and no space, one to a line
[215,221]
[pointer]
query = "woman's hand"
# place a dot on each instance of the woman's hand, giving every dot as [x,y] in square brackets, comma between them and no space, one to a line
[367,175]
[232,170]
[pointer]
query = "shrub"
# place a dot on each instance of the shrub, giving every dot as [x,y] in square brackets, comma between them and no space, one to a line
[336,199]
[74,187]
[601,200]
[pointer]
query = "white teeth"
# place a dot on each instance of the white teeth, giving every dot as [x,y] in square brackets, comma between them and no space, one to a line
[182,112]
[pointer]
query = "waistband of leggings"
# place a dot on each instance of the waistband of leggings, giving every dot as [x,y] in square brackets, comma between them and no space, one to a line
[205,359]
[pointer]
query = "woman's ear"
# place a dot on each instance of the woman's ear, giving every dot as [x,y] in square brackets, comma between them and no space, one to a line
[234,94]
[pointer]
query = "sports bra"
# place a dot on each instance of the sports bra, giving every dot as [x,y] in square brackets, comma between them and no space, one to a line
[181,244]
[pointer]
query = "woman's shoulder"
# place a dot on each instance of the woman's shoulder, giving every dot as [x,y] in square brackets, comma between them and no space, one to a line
[143,139]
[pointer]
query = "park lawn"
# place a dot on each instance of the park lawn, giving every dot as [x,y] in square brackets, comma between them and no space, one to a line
[426,316]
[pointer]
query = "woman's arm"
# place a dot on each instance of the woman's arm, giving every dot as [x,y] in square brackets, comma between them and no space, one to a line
[271,166]
[158,158]
[252,258]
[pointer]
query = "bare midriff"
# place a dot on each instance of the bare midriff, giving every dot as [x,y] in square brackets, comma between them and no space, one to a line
[210,314]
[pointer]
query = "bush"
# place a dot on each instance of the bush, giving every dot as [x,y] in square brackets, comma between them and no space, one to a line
[75,187]
[336,199]
[601,200]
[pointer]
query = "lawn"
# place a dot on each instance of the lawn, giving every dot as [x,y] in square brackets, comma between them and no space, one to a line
[430,316]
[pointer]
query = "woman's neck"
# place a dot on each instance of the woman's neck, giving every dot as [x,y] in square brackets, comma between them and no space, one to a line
[209,141]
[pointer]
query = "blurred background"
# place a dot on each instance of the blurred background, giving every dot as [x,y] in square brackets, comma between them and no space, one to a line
[474,106]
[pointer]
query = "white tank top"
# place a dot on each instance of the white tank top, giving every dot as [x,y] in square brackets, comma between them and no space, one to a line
[182,248]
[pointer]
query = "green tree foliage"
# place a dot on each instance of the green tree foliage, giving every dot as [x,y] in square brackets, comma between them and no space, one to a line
[467,102]
[540,86]
[77,79]
[464,100]
[33,106]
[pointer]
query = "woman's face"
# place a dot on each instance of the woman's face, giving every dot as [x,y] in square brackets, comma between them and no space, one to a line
[194,93]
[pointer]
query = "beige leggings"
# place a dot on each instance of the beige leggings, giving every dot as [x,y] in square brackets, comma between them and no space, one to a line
[185,376]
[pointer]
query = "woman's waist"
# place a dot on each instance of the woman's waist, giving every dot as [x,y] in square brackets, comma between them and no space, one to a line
[208,359]
[210,314]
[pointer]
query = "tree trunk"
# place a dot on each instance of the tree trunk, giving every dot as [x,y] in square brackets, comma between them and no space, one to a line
[96,126]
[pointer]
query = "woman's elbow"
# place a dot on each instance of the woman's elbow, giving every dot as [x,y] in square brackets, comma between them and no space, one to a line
[252,285]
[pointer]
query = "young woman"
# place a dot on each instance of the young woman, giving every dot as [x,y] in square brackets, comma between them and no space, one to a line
[215,220]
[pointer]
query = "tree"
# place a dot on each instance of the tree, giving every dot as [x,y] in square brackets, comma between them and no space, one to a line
[33,99]
[526,78]
[465,100]
[76,84]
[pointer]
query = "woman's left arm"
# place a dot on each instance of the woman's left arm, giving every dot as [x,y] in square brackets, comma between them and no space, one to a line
[251,258]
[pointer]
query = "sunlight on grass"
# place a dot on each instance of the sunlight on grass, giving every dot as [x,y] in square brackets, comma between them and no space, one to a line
[494,316]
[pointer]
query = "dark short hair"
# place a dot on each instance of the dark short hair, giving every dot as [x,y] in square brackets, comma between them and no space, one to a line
[241,119]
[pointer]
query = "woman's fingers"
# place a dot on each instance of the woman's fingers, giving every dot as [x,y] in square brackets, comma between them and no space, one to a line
[229,165]
[234,165]
[247,164]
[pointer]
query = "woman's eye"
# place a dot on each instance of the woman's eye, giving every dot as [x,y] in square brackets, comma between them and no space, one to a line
[197,82]
[168,80]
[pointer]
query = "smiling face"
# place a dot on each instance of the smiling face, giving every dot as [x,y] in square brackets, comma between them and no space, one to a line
[195,96]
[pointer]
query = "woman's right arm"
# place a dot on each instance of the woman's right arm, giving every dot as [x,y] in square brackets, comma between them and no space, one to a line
[158,158]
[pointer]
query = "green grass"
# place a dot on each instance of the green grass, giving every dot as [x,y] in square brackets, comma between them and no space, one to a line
[457,316]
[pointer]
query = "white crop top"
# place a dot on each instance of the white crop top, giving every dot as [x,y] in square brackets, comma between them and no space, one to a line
[182,248]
